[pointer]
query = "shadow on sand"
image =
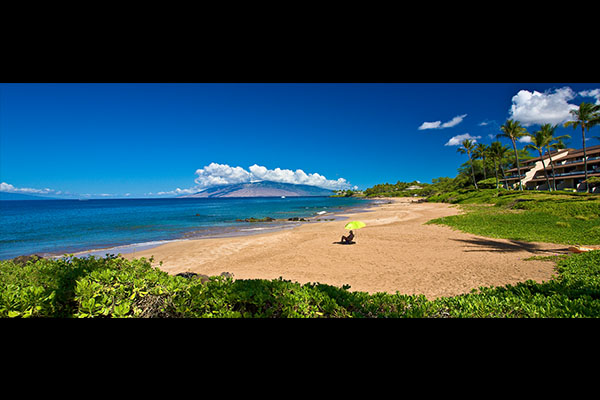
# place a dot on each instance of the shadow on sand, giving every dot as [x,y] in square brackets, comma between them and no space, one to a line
[344,243]
[481,244]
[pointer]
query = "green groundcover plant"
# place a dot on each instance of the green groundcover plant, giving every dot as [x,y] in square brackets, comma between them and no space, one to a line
[564,218]
[113,287]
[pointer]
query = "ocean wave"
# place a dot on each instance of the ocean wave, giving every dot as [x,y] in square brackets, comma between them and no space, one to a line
[256,229]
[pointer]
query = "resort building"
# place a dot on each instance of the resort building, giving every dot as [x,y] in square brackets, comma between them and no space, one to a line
[565,169]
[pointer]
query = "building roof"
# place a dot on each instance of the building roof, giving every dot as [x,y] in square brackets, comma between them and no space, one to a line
[572,153]
[579,152]
[545,156]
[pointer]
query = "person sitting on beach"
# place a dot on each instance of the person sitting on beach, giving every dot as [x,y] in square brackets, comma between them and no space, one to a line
[348,239]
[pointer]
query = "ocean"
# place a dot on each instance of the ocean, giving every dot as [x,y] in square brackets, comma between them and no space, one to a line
[57,227]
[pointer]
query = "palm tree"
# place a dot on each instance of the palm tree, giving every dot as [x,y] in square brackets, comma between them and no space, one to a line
[498,152]
[468,147]
[513,130]
[539,140]
[480,152]
[494,152]
[549,132]
[586,116]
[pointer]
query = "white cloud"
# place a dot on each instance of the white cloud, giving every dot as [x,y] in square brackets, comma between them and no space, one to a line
[525,139]
[297,177]
[7,187]
[453,122]
[550,107]
[438,124]
[430,125]
[175,192]
[592,93]
[456,140]
[222,174]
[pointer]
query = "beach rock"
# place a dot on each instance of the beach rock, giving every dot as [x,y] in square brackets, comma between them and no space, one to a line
[187,274]
[192,275]
[265,219]
[22,260]
[296,219]
[203,278]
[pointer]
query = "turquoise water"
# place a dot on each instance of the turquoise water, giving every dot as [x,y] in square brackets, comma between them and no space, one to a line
[57,227]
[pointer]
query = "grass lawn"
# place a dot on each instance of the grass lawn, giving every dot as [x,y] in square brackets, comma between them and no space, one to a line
[534,217]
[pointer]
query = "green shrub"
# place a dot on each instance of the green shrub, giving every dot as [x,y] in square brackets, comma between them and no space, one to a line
[117,288]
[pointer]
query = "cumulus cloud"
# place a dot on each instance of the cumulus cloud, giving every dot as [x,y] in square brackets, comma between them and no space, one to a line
[540,108]
[438,124]
[175,192]
[222,174]
[591,93]
[525,139]
[456,140]
[7,187]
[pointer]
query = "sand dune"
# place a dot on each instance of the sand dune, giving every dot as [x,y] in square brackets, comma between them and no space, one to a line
[394,252]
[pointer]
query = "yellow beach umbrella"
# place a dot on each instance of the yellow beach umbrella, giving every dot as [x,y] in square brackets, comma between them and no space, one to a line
[355,225]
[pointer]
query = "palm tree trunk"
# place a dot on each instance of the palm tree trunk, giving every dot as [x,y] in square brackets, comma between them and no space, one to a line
[484,176]
[553,174]
[545,172]
[473,171]
[503,176]
[518,166]
[496,172]
[584,159]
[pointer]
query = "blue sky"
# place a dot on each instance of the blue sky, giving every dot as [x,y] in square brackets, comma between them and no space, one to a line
[99,139]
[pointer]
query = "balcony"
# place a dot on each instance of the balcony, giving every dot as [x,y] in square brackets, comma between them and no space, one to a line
[593,171]
[515,176]
[576,161]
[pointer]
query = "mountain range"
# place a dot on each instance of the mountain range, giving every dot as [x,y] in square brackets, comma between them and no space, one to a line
[261,189]
[20,196]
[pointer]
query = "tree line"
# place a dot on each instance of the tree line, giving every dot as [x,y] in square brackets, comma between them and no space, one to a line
[585,116]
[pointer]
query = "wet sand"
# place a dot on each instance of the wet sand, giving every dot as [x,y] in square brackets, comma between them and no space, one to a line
[396,251]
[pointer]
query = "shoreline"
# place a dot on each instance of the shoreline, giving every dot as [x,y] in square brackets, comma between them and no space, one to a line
[217,232]
[395,252]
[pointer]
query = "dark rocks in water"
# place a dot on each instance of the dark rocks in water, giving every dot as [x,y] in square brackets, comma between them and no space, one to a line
[22,260]
[265,219]
[297,219]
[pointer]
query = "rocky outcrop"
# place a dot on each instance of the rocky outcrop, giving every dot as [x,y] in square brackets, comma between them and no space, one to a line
[22,260]
[203,278]
[265,219]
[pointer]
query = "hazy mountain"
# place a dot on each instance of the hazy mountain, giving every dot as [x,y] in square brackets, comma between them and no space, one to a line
[20,196]
[262,189]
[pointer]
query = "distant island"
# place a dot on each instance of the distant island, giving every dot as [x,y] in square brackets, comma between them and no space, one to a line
[261,189]
[20,196]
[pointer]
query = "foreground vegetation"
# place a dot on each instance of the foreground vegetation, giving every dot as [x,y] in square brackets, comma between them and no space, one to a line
[555,217]
[116,287]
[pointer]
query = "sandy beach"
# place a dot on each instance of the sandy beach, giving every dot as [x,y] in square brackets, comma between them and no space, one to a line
[396,251]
